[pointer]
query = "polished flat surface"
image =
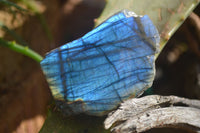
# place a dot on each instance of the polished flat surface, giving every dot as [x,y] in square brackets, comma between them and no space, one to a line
[108,65]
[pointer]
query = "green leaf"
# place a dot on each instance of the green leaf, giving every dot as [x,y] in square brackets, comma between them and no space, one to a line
[167,15]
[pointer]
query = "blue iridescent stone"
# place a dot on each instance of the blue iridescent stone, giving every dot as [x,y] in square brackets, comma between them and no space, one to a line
[113,62]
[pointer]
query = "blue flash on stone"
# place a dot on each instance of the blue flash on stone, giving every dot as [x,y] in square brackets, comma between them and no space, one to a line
[113,62]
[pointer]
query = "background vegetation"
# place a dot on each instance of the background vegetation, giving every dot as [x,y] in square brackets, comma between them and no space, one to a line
[39,26]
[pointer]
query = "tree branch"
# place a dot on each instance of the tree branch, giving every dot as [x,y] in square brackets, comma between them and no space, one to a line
[142,114]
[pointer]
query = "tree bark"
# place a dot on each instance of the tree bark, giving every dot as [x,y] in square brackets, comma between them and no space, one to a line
[142,114]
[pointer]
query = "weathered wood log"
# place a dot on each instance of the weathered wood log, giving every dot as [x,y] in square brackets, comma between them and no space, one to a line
[142,114]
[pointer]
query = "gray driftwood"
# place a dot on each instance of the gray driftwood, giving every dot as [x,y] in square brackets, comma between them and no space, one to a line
[142,114]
